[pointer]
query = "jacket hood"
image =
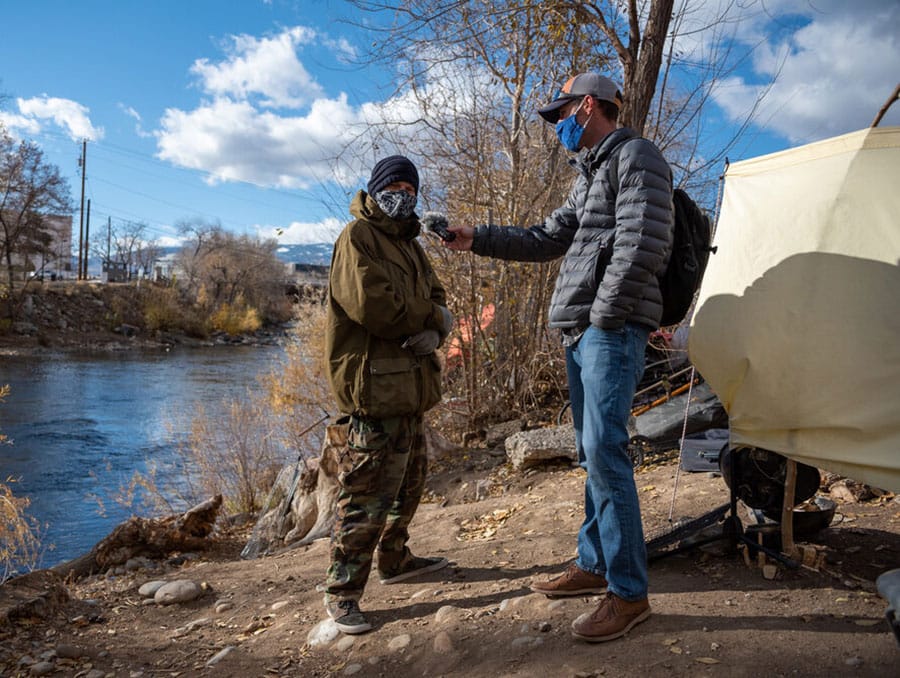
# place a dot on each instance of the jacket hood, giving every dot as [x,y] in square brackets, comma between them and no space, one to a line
[363,206]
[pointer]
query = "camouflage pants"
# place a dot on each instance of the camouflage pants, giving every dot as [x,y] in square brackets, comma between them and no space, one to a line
[382,477]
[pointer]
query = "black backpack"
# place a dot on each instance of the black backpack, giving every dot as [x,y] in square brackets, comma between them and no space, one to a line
[692,233]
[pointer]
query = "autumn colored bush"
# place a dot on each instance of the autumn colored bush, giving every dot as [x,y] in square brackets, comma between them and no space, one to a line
[236,318]
[20,542]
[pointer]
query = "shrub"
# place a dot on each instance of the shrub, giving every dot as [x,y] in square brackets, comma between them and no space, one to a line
[19,533]
[235,455]
[162,309]
[298,391]
[237,318]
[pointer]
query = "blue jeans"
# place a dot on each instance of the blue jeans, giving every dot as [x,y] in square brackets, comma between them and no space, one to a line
[603,370]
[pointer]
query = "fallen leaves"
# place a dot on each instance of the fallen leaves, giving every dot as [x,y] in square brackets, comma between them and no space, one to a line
[484,527]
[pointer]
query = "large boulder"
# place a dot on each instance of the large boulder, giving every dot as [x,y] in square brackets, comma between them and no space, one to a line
[529,448]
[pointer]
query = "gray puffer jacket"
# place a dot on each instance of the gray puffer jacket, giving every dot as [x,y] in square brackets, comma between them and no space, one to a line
[615,230]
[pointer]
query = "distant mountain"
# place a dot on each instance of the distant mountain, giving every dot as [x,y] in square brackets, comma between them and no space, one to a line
[315,254]
[318,254]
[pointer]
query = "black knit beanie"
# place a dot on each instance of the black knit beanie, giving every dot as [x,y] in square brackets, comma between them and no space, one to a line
[391,169]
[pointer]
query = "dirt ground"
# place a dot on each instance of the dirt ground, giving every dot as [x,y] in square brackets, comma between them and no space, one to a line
[713,613]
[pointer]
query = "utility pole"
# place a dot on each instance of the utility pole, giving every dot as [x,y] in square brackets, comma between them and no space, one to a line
[108,242]
[87,229]
[82,162]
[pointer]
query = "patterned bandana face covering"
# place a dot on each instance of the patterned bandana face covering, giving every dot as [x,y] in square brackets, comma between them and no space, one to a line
[396,204]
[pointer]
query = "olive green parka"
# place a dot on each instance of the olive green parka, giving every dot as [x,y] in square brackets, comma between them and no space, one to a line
[381,290]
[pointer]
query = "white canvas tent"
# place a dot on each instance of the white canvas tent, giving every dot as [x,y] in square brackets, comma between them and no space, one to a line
[797,326]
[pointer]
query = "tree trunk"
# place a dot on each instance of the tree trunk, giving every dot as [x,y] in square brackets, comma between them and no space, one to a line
[302,505]
[640,80]
[147,537]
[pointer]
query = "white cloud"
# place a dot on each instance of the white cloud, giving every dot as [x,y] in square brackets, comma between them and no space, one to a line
[138,127]
[234,141]
[19,124]
[832,65]
[304,233]
[267,67]
[65,113]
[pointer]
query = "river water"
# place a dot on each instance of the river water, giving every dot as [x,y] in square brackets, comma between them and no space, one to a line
[82,424]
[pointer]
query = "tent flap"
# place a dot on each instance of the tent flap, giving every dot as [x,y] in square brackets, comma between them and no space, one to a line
[797,323]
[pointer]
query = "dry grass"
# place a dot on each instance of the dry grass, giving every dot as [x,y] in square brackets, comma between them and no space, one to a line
[20,544]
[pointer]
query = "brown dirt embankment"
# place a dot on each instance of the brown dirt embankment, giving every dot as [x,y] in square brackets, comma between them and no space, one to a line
[109,317]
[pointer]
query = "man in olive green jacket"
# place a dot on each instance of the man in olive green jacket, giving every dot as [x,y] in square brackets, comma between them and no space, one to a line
[386,316]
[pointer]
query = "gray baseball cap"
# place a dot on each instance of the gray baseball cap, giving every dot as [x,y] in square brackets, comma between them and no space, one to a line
[593,84]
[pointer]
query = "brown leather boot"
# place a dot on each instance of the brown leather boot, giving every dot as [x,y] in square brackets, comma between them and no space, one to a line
[613,618]
[573,582]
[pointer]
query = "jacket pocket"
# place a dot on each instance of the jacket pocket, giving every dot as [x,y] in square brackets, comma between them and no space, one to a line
[394,387]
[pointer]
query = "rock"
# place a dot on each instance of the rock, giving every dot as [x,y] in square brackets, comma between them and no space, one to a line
[528,448]
[842,494]
[134,564]
[220,655]
[149,589]
[66,651]
[496,434]
[95,673]
[398,643]
[190,626]
[223,606]
[345,643]
[179,591]
[352,669]
[126,330]
[280,604]
[446,613]
[322,633]
[41,669]
[442,643]
[24,327]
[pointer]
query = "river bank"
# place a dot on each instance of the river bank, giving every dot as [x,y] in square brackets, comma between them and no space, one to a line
[83,423]
[85,316]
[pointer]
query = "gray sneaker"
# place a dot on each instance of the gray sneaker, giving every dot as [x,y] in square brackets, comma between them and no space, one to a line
[347,616]
[412,567]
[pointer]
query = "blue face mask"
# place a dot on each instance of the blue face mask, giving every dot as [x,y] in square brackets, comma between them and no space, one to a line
[569,131]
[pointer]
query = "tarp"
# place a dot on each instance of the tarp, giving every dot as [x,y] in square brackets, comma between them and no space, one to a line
[797,325]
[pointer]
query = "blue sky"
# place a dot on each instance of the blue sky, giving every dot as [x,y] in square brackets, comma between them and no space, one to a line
[234,110]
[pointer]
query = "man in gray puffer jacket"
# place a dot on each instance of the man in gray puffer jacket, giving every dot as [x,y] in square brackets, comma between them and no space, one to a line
[614,233]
